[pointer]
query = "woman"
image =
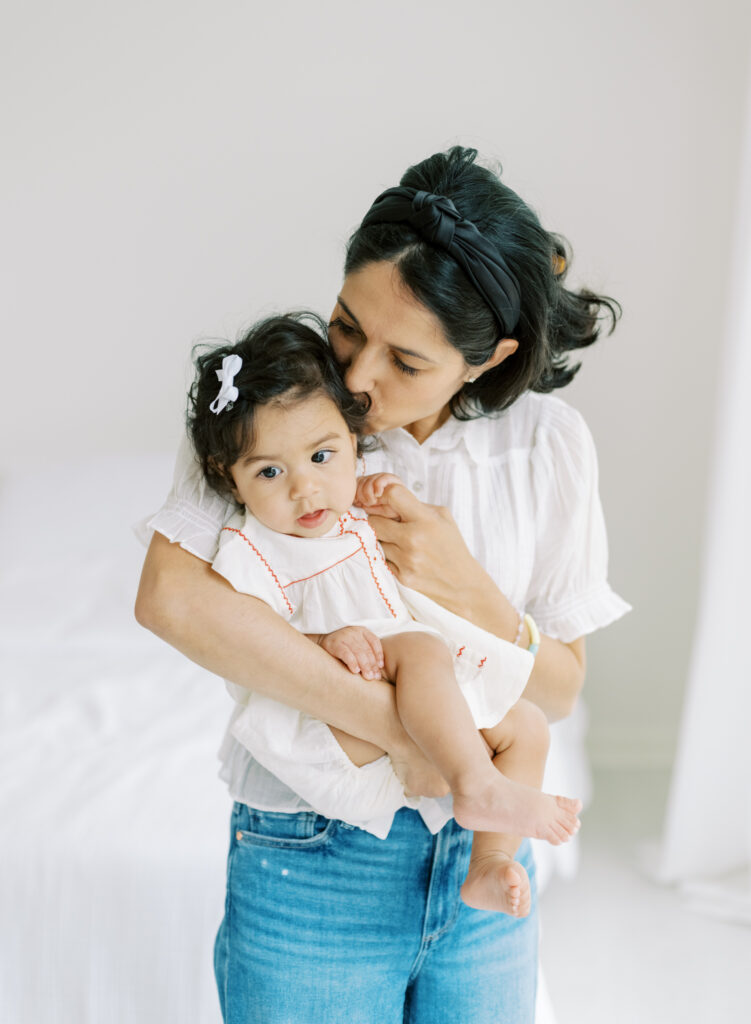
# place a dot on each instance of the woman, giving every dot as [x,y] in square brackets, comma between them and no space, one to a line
[453,319]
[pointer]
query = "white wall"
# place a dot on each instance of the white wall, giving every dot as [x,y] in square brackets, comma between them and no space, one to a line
[175,169]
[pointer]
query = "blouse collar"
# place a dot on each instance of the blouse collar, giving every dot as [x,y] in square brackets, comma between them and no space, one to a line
[472,434]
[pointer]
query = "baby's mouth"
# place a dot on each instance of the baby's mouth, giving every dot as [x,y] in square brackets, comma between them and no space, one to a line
[312,519]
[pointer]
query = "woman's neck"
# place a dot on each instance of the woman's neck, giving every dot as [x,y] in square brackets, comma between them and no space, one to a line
[422,429]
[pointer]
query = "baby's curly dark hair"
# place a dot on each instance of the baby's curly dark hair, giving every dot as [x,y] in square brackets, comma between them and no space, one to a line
[283,358]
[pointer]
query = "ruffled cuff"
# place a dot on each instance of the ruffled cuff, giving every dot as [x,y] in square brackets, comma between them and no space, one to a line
[581,614]
[183,523]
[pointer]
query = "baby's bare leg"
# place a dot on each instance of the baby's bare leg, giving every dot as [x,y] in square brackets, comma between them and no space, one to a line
[495,881]
[435,713]
[432,708]
[359,751]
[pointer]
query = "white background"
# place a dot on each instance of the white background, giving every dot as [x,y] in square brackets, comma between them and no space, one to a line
[173,170]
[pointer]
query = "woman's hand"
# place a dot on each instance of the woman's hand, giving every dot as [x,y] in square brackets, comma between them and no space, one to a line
[369,494]
[426,551]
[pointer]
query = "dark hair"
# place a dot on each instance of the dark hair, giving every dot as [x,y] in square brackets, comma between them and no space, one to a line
[553,320]
[283,359]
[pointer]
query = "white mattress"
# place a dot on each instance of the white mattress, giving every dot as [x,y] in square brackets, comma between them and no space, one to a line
[114,823]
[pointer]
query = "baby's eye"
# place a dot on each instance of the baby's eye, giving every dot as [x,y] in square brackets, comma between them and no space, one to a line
[322,455]
[269,472]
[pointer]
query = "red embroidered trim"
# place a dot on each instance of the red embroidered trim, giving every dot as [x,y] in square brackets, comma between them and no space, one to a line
[353,533]
[460,651]
[482,662]
[304,578]
[383,559]
[232,529]
[355,519]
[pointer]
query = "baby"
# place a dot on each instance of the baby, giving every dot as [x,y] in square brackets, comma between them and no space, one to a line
[273,425]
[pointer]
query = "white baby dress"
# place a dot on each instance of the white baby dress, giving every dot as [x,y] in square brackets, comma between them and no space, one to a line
[319,585]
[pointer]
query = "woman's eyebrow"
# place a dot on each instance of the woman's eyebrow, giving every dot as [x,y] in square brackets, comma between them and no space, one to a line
[348,311]
[397,348]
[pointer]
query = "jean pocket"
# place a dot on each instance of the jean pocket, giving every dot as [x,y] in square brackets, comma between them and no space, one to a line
[301,830]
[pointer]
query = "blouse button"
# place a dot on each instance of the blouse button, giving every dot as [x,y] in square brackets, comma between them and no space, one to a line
[417,485]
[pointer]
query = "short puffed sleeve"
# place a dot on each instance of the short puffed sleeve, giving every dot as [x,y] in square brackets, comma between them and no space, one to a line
[246,561]
[193,514]
[569,595]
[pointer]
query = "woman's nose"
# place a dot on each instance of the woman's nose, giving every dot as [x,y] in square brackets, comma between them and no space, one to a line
[360,374]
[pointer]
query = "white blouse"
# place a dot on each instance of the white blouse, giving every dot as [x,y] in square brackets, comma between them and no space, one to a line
[522,487]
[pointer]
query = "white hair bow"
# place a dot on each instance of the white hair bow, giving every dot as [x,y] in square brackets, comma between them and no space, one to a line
[227,392]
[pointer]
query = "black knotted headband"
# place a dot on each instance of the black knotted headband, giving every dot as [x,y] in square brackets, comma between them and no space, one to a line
[439,222]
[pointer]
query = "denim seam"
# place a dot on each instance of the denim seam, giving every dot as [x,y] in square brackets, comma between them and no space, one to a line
[290,843]
[425,941]
[428,941]
[228,911]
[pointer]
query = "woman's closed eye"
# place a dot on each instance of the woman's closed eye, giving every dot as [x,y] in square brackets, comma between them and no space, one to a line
[348,330]
[411,371]
[350,333]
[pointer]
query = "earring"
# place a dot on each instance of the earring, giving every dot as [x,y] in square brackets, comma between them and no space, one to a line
[471,380]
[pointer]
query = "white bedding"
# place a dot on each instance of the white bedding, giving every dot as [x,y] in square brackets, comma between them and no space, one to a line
[114,823]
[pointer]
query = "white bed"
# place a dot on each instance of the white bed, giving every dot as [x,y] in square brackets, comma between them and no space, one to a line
[114,823]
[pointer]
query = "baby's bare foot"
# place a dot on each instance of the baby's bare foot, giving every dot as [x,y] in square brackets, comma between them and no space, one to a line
[496,882]
[502,805]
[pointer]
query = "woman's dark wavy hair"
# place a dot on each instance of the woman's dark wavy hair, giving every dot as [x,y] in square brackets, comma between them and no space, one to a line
[553,320]
[283,359]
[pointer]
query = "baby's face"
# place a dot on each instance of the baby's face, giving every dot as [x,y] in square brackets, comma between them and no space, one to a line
[300,475]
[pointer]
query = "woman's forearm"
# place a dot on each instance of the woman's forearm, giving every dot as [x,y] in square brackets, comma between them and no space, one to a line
[559,669]
[240,638]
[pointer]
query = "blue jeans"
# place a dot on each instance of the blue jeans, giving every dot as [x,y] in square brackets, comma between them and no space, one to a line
[325,924]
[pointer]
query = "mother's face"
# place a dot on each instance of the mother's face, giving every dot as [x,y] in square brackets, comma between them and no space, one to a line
[393,349]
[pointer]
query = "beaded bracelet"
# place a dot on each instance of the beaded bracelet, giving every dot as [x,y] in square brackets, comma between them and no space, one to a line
[534,635]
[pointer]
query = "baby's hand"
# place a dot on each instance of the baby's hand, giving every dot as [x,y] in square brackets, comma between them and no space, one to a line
[358,648]
[370,492]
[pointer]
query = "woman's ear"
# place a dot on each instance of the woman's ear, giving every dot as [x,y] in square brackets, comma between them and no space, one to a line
[505,348]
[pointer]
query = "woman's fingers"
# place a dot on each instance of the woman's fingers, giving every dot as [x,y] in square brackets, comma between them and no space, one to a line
[407,506]
[424,547]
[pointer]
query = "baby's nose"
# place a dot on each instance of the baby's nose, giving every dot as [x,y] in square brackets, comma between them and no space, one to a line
[302,485]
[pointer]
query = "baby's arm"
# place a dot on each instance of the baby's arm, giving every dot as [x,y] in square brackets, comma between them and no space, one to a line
[372,494]
[357,648]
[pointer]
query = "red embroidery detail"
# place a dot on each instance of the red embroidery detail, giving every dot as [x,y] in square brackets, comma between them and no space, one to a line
[482,662]
[354,518]
[460,651]
[304,578]
[381,555]
[353,533]
[231,529]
